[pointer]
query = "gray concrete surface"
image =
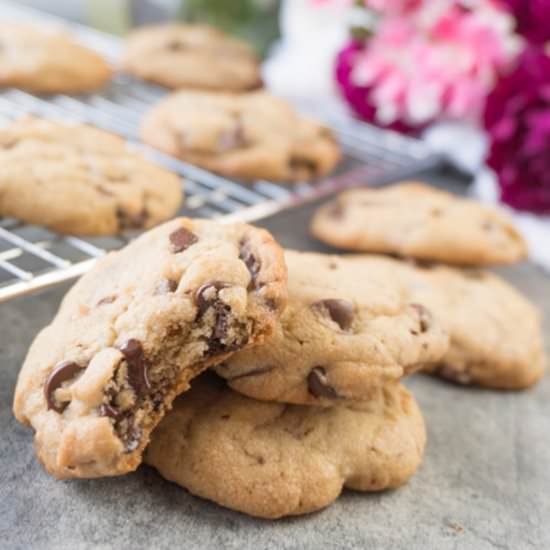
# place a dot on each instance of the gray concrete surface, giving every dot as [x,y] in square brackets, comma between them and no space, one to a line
[484,484]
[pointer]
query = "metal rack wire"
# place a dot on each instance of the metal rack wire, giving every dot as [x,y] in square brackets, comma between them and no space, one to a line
[32,258]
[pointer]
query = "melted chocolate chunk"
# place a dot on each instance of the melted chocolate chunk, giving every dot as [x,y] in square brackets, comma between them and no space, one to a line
[203,301]
[207,297]
[62,373]
[166,286]
[474,274]
[424,315]
[175,46]
[137,366]
[131,221]
[318,384]
[233,138]
[133,437]
[336,211]
[106,300]
[340,311]
[11,143]
[181,239]
[107,410]
[252,263]
[103,191]
[303,165]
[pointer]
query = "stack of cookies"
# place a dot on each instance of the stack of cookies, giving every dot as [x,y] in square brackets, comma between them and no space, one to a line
[315,405]
[262,380]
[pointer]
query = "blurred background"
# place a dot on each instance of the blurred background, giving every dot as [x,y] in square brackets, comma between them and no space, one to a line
[469,77]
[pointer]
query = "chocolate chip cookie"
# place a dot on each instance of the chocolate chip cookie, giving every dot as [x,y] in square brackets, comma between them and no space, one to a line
[349,326]
[191,56]
[48,61]
[272,460]
[414,220]
[248,136]
[132,333]
[495,332]
[81,180]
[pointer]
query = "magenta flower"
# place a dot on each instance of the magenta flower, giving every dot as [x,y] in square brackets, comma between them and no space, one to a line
[533,19]
[357,96]
[517,119]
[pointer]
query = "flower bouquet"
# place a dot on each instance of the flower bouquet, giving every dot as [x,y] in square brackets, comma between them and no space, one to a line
[411,63]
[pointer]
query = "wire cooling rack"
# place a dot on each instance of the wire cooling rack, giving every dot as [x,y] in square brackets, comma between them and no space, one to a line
[32,258]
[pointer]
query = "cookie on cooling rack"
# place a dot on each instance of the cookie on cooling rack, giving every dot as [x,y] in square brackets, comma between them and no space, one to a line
[48,61]
[191,56]
[132,333]
[77,179]
[248,136]
[415,220]
[272,460]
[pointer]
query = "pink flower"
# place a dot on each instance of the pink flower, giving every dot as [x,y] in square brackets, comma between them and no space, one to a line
[356,95]
[517,118]
[438,61]
[384,6]
[394,6]
[533,18]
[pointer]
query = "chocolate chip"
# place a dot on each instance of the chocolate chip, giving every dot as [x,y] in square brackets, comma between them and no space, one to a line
[336,211]
[107,410]
[425,317]
[10,144]
[207,297]
[417,262]
[303,166]
[475,274]
[252,263]
[340,311]
[318,384]
[233,138]
[106,300]
[201,295]
[166,286]
[103,191]
[63,372]
[181,239]
[137,365]
[131,221]
[447,372]
[257,84]
[175,46]
[133,437]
